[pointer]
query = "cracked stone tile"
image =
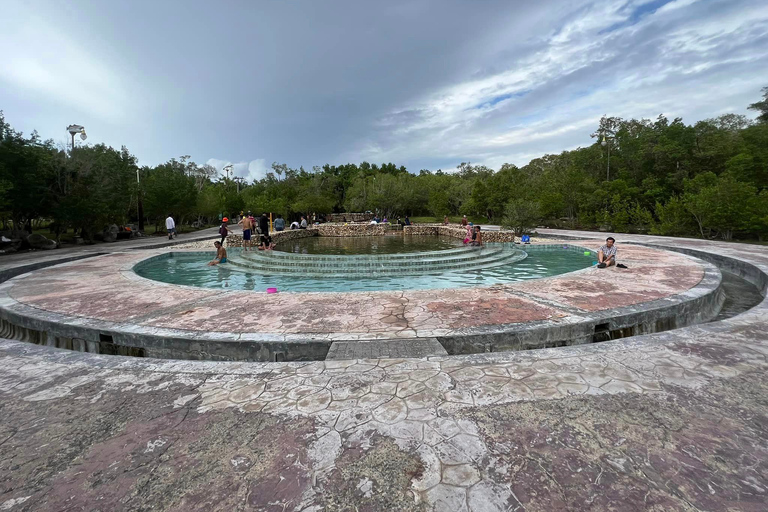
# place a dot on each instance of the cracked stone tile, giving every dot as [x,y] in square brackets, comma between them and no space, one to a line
[423,375]
[516,390]
[384,388]
[467,374]
[315,402]
[619,386]
[391,412]
[420,400]
[324,451]
[460,449]
[459,396]
[547,393]
[342,405]
[409,388]
[463,475]
[280,406]
[423,415]
[247,393]
[440,383]
[302,391]
[449,498]
[495,371]
[572,388]
[487,496]
[351,418]
[430,477]
[372,400]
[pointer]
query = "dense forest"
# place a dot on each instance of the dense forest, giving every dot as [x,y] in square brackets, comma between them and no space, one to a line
[658,176]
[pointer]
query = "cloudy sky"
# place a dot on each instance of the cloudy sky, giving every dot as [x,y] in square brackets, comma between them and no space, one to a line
[421,83]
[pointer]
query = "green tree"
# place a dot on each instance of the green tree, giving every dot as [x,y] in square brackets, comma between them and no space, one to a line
[762,107]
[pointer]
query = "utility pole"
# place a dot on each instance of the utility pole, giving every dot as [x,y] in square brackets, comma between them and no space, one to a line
[227,169]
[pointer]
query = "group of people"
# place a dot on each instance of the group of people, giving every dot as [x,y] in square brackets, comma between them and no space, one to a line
[399,222]
[474,236]
[251,226]
[300,225]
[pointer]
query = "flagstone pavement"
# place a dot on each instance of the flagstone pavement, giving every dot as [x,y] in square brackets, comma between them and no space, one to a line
[669,421]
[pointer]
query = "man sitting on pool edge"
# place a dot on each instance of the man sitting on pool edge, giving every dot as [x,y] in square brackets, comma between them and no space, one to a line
[221,254]
[606,255]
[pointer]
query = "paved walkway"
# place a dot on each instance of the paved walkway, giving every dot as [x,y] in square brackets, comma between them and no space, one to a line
[664,422]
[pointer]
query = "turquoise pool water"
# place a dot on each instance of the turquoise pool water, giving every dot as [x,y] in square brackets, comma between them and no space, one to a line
[191,269]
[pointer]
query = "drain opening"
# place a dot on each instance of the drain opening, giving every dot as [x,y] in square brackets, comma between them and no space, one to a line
[602,333]
[111,349]
[105,337]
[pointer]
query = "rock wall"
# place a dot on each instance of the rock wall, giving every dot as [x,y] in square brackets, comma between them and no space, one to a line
[349,217]
[454,231]
[353,229]
[277,236]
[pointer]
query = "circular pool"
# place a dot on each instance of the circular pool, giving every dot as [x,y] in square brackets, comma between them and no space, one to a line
[367,264]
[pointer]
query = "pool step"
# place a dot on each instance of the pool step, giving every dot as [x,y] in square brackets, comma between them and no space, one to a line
[494,259]
[351,262]
[407,256]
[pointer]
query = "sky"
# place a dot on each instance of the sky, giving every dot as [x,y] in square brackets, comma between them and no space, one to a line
[423,83]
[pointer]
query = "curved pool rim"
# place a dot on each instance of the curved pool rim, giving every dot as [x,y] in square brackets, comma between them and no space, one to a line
[697,304]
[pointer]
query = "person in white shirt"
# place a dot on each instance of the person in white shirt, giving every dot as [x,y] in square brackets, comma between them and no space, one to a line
[170,226]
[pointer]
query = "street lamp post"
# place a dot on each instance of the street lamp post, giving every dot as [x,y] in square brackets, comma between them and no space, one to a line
[73,130]
[227,169]
[606,143]
[140,206]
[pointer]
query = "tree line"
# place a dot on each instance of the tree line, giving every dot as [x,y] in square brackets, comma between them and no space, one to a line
[661,176]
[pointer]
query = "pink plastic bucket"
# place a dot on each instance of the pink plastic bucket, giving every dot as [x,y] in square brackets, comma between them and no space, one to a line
[271,290]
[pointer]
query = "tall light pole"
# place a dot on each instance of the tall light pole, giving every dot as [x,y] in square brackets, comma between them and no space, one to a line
[73,130]
[227,169]
[238,180]
[140,204]
[606,142]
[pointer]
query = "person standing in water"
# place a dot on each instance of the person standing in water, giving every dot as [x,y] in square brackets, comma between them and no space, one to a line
[223,229]
[477,237]
[247,224]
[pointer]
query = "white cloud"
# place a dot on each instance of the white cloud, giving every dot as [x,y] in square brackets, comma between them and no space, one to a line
[41,59]
[679,60]
[253,170]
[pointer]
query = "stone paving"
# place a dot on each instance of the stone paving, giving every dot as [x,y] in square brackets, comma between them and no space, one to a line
[669,421]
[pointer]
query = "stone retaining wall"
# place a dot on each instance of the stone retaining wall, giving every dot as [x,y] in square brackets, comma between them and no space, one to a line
[335,229]
[349,217]
[353,229]
[460,232]
[277,236]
